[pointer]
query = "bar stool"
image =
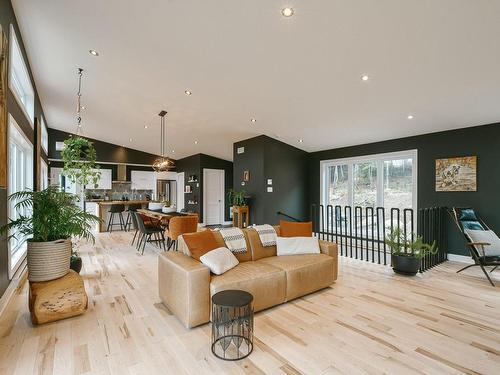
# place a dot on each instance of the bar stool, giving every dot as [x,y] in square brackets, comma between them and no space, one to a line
[116,209]
[131,208]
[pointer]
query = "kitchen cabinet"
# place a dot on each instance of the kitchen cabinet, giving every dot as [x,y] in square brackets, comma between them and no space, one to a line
[143,180]
[55,173]
[105,179]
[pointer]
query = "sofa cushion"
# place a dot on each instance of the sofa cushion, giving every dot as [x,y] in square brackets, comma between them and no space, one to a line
[304,273]
[259,251]
[200,243]
[297,245]
[219,260]
[242,257]
[295,229]
[266,283]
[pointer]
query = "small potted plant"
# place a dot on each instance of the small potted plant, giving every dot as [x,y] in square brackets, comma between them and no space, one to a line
[406,253]
[53,221]
[237,198]
[167,207]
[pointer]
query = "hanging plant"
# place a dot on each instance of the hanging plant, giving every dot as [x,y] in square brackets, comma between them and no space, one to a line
[79,157]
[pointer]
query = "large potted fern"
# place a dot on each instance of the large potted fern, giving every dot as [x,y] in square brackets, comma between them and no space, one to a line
[48,219]
[407,251]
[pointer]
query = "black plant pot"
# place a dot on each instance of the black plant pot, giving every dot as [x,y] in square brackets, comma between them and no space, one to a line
[405,265]
[76,264]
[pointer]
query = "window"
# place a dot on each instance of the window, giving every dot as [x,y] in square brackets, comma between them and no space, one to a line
[44,175]
[20,175]
[44,136]
[19,79]
[382,180]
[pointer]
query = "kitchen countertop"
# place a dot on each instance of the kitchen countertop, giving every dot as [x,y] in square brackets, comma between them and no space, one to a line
[126,203]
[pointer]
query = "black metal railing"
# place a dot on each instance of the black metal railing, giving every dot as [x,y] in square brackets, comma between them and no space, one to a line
[360,233]
[279,213]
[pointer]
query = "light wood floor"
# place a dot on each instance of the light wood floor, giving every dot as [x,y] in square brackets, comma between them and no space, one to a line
[370,322]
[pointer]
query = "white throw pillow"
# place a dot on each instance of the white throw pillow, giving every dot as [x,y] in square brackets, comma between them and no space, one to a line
[487,236]
[297,245]
[219,260]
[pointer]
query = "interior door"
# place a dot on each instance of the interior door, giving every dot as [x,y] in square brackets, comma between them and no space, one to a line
[213,196]
[180,191]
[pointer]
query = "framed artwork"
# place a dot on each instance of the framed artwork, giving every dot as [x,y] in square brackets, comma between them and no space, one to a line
[246,176]
[456,174]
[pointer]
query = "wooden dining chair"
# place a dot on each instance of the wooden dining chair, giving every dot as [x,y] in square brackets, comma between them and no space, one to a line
[179,225]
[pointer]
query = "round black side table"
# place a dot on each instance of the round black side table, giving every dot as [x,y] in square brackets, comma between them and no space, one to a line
[232,324]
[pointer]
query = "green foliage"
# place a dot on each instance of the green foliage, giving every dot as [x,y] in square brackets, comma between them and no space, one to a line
[403,245]
[54,216]
[237,198]
[79,157]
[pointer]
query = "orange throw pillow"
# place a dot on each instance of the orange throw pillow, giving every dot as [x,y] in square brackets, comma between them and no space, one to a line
[295,229]
[200,243]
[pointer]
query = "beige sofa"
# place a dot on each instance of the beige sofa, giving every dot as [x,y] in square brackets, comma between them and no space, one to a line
[186,285]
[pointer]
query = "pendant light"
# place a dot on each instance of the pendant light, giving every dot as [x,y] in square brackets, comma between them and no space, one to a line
[79,130]
[164,163]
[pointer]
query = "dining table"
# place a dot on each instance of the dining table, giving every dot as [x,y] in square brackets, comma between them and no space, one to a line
[161,216]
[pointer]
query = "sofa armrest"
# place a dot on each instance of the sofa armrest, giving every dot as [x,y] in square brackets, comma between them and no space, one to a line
[330,248]
[184,288]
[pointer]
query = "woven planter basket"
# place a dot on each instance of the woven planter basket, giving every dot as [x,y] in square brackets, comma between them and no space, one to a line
[48,260]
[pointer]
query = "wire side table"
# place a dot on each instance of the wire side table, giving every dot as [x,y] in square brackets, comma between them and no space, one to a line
[232,324]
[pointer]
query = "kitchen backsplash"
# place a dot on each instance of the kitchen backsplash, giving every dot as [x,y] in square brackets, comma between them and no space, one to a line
[119,191]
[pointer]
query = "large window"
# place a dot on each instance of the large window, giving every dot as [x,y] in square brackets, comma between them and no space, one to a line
[20,174]
[19,79]
[44,136]
[44,175]
[382,180]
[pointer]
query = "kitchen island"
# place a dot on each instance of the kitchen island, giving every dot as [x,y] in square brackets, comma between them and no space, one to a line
[103,211]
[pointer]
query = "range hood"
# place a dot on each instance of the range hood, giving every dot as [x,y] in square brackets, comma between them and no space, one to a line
[122,175]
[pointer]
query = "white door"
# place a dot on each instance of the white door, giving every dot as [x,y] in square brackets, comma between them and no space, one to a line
[180,191]
[213,196]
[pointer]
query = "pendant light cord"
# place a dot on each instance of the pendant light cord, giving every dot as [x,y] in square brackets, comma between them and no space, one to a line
[79,130]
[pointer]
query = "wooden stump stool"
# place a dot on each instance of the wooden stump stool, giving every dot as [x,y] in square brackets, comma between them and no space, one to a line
[57,299]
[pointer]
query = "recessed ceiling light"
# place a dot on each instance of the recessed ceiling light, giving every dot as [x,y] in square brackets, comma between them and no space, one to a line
[173,151]
[410,117]
[364,77]
[130,140]
[145,126]
[253,120]
[93,52]
[301,140]
[82,107]
[287,12]
[187,92]
[195,142]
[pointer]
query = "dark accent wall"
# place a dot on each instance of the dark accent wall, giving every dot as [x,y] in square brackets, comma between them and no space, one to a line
[481,141]
[267,158]
[106,152]
[194,165]
[7,17]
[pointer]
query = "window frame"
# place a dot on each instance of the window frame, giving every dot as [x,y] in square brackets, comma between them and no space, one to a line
[379,159]
[28,149]
[44,136]
[14,44]
[44,165]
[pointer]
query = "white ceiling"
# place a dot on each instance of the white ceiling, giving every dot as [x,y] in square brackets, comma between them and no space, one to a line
[299,76]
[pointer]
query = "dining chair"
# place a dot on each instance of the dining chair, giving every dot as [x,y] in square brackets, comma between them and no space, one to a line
[147,231]
[131,208]
[179,225]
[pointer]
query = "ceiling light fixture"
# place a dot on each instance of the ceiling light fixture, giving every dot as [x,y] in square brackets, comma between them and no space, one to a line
[187,92]
[145,126]
[163,163]
[195,142]
[301,140]
[173,151]
[410,117]
[364,77]
[130,140]
[253,120]
[287,12]
[93,52]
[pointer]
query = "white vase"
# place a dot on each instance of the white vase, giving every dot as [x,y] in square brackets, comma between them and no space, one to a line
[48,260]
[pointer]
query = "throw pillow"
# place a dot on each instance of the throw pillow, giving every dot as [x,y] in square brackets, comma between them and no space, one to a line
[200,243]
[487,236]
[297,245]
[219,260]
[295,229]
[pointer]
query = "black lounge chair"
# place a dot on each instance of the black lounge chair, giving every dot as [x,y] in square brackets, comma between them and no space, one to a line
[466,219]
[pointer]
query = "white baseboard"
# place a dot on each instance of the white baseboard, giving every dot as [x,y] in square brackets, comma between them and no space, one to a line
[460,258]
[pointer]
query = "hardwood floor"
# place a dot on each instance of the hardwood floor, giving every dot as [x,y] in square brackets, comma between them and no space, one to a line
[370,322]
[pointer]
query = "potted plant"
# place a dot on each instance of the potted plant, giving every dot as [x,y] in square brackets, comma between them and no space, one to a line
[406,254]
[236,198]
[79,157]
[167,207]
[53,221]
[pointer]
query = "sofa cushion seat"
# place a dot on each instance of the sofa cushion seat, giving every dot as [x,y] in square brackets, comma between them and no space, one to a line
[266,283]
[305,273]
